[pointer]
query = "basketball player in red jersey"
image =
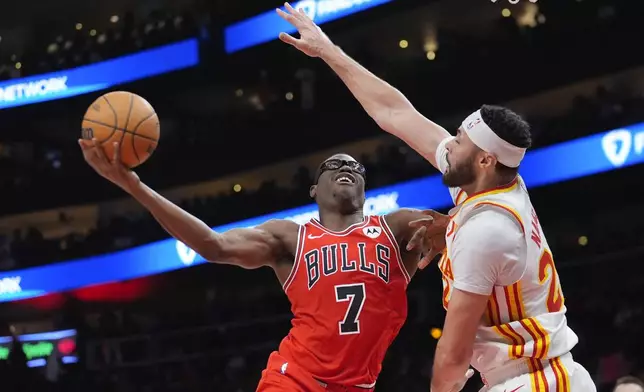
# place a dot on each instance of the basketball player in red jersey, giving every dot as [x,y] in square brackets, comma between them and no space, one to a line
[344,274]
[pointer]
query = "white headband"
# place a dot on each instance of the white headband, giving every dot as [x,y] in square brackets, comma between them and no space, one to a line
[485,138]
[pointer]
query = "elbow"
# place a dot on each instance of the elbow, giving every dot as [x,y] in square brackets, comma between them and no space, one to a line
[211,249]
[389,118]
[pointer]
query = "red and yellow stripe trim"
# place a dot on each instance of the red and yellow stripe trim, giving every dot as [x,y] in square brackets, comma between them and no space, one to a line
[539,381]
[540,337]
[516,349]
[502,189]
[493,312]
[538,376]
[561,375]
[513,301]
[460,197]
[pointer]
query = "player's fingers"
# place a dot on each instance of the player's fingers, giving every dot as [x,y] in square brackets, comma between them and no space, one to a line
[288,39]
[469,373]
[303,16]
[286,16]
[416,239]
[99,153]
[423,263]
[434,214]
[116,155]
[85,144]
[427,258]
[422,222]
[290,9]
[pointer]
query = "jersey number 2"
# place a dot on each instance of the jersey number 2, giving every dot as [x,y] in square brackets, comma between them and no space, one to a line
[355,295]
[547,270]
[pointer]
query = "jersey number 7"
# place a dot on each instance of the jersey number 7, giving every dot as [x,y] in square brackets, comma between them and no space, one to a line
[354,294]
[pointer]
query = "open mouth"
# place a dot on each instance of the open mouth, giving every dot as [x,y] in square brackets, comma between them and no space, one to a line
[345,178]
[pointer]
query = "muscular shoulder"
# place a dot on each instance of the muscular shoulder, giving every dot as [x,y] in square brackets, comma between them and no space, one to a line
[493,222]
[492,226]
[284,234]
[279,226]
[489,249]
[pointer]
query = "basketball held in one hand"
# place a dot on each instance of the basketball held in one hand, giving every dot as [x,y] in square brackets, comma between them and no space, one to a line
[124,118]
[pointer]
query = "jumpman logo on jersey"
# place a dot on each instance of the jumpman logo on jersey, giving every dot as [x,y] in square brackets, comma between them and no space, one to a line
[515,389]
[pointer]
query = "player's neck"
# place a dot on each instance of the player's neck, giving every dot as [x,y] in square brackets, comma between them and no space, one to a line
[338,222]
[485,184]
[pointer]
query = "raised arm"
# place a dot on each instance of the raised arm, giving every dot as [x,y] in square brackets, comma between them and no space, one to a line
[263,245]
[248,248]
[391,110]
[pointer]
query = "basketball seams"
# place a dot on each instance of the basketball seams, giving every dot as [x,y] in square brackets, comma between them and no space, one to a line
[114,127]
[120,129]
[134,135]
[127,121]
[141,115]
[141,122]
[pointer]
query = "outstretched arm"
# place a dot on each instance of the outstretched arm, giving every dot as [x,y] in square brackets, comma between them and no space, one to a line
[391,110]
[248,248]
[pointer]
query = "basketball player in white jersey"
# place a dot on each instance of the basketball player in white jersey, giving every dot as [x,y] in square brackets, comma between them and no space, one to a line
[505,306]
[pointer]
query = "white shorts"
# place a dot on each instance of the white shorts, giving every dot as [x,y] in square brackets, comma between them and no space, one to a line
[560,374]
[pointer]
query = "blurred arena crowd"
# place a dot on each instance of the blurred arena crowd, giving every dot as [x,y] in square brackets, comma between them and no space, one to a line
[206,333]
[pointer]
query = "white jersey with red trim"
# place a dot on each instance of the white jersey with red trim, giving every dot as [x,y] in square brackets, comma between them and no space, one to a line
[496,247]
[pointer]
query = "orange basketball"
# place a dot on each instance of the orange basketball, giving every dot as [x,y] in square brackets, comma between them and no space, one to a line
[127,119]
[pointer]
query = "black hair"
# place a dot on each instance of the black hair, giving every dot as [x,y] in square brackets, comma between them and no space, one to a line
[629,380]
[510,127]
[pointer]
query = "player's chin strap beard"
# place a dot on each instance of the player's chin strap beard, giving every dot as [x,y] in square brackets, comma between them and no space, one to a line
[485,138]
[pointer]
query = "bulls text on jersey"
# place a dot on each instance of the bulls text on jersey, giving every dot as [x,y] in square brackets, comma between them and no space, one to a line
[331,259]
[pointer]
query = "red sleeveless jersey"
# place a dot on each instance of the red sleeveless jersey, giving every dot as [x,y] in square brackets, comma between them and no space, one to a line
[348,297]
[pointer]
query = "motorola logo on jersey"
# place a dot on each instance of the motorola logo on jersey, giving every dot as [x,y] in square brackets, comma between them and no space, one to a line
[332,259]
[619,144]
[372,231]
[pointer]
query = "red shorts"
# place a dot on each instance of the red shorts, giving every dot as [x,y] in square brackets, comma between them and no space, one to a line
[282,375]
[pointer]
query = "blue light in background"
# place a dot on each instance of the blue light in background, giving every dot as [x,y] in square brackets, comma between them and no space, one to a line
[578,158]
[267,26]
[99,76]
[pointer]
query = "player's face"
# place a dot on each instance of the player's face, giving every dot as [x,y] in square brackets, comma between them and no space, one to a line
[461,159]
[340,178]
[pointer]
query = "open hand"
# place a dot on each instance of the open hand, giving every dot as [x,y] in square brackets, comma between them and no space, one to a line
[429,236]
[312,42]
[113,169]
